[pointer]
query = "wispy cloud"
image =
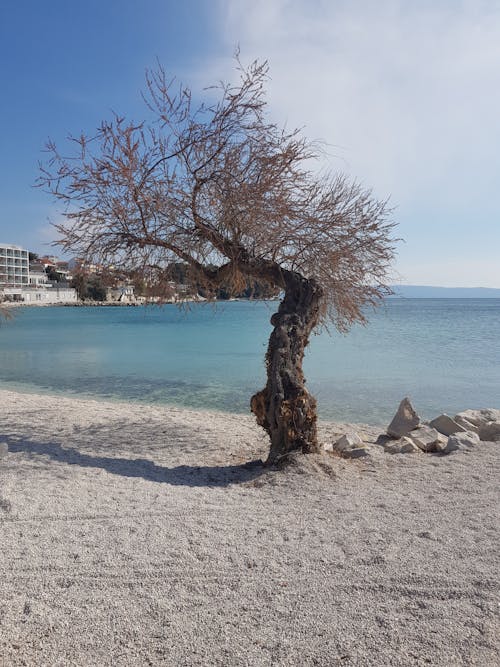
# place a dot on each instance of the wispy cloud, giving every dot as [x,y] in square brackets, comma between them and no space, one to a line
[407,95]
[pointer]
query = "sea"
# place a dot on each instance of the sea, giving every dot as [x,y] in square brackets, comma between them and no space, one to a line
[442,353]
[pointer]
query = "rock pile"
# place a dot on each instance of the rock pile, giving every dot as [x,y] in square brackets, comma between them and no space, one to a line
[404,421]
[443,434]
[349,446]
[406,434]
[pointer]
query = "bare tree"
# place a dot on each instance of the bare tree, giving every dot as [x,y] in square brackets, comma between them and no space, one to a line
[221,188]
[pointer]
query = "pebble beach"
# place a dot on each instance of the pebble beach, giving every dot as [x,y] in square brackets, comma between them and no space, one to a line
[148,535]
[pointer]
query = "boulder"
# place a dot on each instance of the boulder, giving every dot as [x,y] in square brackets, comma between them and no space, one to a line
[460,441]
[355,453]
[446,425]
[349,440]
[469,426]
[3,449]
[409,447]
[403,446]
[404,421]
[490,431]
[393,447]
[480,417]
[427,438]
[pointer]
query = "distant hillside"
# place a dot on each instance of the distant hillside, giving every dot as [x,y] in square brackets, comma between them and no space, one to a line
[427,292]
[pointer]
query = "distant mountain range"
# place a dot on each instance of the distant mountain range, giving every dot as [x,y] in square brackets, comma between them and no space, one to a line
[428,292]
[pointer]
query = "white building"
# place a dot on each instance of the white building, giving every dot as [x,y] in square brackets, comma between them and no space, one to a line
[51,294]
[123,294]
[36,296]
[14,266]
[37,274]
[17,284]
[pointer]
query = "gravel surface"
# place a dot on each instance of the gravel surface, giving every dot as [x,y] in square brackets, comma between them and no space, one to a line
[136,535]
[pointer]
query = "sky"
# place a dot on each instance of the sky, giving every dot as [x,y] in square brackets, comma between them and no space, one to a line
[405,94]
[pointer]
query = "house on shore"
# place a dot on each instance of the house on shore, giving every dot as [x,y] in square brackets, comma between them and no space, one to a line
[121,294]
[38,296]
[30,285]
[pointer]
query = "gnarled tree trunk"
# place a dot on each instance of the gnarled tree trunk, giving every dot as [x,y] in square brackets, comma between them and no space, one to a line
[284,408]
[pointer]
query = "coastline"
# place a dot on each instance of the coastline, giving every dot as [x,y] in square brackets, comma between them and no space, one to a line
[72,304]
[135,534]
[442,356]
[89,303]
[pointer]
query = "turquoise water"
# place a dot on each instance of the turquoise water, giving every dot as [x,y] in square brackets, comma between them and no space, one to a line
[443,353]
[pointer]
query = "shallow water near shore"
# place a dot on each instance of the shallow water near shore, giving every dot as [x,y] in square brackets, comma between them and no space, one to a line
[443,353]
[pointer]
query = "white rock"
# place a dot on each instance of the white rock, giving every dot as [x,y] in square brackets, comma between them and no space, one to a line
[404,421]
[328,447]
[403,446]
[427,438]
[459,441]
[442,444]
[469,426]
[409,447]
[446,425]
[480,417]
[393,447]
[490,431]
[355,452]
[347,441]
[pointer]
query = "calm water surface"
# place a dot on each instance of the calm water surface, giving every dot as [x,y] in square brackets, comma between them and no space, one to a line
[443,353]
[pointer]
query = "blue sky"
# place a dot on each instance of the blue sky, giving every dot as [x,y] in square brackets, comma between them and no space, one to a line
[407,95]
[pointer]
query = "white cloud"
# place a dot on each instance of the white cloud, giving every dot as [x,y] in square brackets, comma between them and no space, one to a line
[475,273]
[407,95]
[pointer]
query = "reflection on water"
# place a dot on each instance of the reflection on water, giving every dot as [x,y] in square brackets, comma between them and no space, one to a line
[443,353]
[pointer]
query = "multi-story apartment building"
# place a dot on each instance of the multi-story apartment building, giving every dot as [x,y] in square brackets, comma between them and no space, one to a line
[14,266]
[17,284]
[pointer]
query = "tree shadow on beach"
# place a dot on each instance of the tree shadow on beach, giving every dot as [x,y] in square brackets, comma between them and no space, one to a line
[183,475]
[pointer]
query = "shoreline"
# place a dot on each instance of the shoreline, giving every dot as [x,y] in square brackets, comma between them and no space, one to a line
[140,535]
[11,386]
[88,303]
[328,428]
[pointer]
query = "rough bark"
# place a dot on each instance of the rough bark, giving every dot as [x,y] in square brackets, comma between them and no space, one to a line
[284,408]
